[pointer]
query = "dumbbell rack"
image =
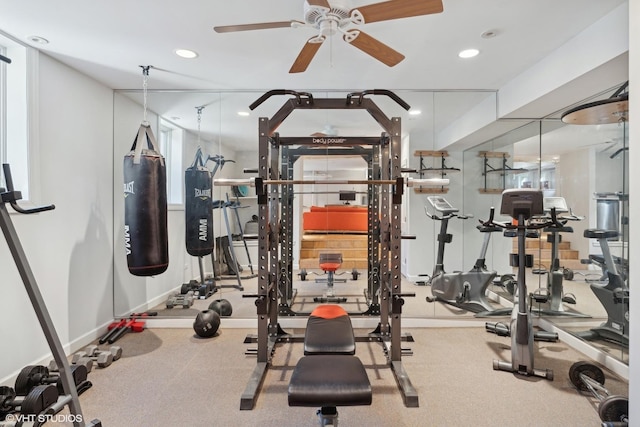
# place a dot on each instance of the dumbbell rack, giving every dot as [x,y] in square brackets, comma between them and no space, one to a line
[70,396]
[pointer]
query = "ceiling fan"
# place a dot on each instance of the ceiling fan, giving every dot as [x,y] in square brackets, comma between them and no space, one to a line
[327,131]
[329,17]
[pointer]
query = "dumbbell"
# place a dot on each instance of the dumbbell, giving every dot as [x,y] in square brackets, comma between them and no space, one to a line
[612,409]
[78,374]
[102,358]
[34,402]
[35,375]
[85,361]
[115,350]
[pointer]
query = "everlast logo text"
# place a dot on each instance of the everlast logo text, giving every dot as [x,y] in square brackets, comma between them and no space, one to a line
[327,141]
[203,194]
[128,188]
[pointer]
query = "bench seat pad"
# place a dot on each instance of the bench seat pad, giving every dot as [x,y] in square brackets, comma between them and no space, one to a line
[329,331]
[329,380]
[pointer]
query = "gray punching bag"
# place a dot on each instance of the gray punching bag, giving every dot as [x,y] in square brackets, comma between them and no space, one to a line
[145,206]
[198,209]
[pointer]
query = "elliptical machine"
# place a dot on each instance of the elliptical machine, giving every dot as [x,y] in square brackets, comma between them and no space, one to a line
[523,205]
[466,290]
[614,296]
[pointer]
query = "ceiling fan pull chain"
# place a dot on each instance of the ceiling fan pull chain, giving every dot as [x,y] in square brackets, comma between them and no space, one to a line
[330,52]
[145,80]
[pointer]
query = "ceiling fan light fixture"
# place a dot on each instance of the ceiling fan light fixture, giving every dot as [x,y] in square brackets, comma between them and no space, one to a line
[38,40]
[186,53]
[489,34]
[468,53]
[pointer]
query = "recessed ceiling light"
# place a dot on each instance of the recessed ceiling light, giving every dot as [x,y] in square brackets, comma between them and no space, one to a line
[415,112]
[38,40]
[243,113]
[468,53]
[186,53]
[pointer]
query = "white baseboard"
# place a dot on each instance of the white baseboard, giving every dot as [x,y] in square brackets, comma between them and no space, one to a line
[68,348]
[584,347]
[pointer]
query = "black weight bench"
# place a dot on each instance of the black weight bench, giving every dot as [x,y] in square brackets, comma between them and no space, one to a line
[329,331]
[329,375]
[329,381]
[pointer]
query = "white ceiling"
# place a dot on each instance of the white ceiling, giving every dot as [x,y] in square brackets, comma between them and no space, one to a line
[109,40]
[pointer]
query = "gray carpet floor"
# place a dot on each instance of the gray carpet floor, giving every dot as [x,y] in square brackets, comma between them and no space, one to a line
[170,377]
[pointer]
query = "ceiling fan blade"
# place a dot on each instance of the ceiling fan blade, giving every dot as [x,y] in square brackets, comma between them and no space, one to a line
[307,53]
[258,26]
[321,3]
[373,47]
[396,9]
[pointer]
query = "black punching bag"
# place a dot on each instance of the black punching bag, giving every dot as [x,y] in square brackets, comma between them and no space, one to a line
[145,207]
[198,209]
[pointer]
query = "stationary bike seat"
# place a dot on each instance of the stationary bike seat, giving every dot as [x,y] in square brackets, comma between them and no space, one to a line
[594,233]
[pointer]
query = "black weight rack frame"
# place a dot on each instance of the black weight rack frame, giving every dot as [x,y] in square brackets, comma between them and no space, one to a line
[70,396]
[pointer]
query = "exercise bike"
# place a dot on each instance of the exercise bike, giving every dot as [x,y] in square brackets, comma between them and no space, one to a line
[614,296]
[466,290]
[526,207]
[553,296]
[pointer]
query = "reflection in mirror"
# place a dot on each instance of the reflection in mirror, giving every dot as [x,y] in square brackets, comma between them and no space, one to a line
[591,165]
[227,134]
[569,161]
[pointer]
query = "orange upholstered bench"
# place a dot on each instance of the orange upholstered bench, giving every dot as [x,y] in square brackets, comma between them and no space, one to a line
[335,219]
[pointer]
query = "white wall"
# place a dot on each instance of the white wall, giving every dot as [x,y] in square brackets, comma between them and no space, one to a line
[575,172]
[634,206]
[70,248]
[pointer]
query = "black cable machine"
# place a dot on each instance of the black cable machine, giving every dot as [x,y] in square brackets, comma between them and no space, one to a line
[274,188]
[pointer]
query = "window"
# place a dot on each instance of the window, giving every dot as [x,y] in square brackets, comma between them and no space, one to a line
[14,118]
[170,141]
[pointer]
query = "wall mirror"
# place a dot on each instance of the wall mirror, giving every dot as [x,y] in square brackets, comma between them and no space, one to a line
[585,169]
[548,154]
[228,129]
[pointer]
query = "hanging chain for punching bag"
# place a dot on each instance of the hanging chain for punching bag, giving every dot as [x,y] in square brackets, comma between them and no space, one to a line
[198,203]
[145,84]
[145,207]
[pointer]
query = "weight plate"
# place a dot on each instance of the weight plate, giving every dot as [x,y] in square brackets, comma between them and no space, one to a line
[589,369]
[87,362]
[7,394]
[78,373]
[613,408]
[38,399]
[506,278]
[511,287]
[567,273]
[29,377]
